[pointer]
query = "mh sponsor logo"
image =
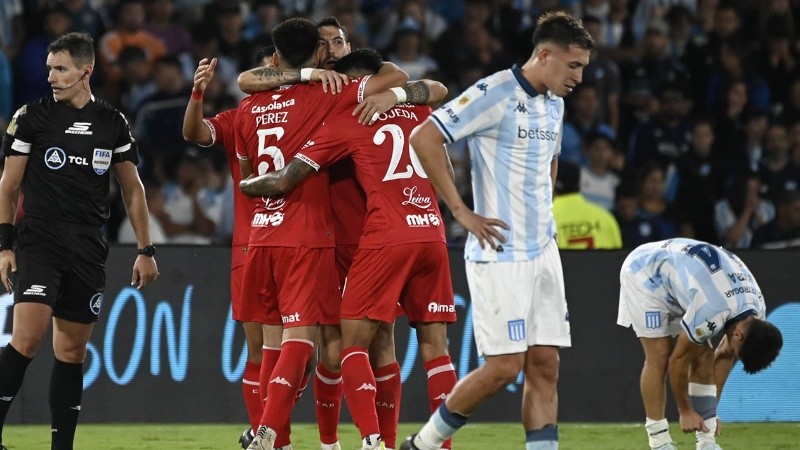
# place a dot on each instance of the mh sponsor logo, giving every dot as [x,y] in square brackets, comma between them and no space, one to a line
[542,135]
[423,220]
[266,220]
[439,308]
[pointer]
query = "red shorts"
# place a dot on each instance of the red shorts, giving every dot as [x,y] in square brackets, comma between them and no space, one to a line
[416,275]
[293,283]
[252,311]
[344,259]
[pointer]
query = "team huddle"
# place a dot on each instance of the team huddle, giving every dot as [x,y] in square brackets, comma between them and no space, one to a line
[340,164]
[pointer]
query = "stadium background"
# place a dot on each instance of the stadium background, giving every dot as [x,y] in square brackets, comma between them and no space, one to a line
[171,353]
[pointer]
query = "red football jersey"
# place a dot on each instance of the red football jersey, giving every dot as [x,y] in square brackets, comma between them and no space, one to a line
[348,203]
[271,127]
[401,203]
[222,133]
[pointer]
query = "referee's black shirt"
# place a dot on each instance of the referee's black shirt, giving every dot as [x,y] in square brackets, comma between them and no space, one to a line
[71,151]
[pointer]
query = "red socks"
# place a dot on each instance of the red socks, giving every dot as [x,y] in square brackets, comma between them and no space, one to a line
[387,401]
[328,397]
[441,379]
[250,392]
[285,382]
[359,389]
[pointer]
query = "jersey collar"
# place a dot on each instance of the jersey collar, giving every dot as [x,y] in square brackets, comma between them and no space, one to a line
[526,86]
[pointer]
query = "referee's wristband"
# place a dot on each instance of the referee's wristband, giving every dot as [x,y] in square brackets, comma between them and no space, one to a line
[6,236]
[305,74]
[400,93]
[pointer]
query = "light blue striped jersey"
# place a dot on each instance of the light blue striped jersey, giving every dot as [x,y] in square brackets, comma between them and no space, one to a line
[513,133]
[707,285]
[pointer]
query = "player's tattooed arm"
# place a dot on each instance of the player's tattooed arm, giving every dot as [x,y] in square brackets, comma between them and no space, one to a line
[277,183]
[266,78]
[417,92]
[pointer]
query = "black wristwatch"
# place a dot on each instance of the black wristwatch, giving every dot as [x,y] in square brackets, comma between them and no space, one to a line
[149,250]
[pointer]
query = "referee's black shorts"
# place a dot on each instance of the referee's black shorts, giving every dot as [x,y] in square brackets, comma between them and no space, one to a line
[61,264]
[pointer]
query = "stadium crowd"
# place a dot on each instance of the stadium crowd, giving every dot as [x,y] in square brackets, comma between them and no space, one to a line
[687,122]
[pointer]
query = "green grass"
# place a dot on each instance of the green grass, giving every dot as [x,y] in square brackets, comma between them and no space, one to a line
[477,436]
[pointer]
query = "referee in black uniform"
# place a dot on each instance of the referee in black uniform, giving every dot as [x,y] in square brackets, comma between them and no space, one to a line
[59,150]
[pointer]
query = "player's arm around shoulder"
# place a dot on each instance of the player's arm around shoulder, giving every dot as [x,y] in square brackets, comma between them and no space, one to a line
[10,184]
[145,269]
[428,92]
[278,182]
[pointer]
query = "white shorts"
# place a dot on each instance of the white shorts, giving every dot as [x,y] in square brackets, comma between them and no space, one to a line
[516,305]
[643,308]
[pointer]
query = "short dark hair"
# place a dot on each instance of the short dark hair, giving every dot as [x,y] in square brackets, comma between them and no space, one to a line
[263,52]
[334,22]
[79,46]
[295,40]
[761,346]
[362,59]
[563,30]
[131,54]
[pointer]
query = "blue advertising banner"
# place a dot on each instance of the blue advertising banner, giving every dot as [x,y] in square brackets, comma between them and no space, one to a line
[172,353]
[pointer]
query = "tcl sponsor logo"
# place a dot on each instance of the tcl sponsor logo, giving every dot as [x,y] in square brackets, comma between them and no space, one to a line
[423,220]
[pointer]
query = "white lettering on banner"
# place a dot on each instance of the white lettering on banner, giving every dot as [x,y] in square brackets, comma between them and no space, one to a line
[414,199]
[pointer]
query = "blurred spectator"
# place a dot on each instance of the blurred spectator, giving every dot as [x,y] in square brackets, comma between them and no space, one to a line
[581,224]
[128,32]
[621,33]
[432,24]
[755,127]
[407,52]
[736,66]
[591,8]
[161,23]
[636,229]
[265,16]
[680,21]
[468,40]
[191,211]
[155,207]
[205,44]
[137,82]
[702,53]
[699,183]
[653,203]
[581,121]
[645,76]
[12,31]
[598,181]
[603,73]
[229,20]
[791,110]
[777,60]
[665,137]
[159,121]
[650,10]
[729,153]
[741,212]
[777,173]
[31,79]
[84,17]
[784,230]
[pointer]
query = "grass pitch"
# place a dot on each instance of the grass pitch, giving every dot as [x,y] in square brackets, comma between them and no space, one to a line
[477,436]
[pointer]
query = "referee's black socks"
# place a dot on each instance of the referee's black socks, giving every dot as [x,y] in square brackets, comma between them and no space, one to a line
[12,371]
[66,390]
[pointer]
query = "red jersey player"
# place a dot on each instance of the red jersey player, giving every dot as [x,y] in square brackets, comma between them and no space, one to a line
[402,253]
[293,271]
[220,130]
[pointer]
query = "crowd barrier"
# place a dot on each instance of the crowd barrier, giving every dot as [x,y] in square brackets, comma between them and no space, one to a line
[171,353]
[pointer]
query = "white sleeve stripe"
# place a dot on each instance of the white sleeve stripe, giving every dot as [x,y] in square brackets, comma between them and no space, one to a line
[243,157]
[361,86]
[21,146]
[308,161]
[123,149]
[213,133]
